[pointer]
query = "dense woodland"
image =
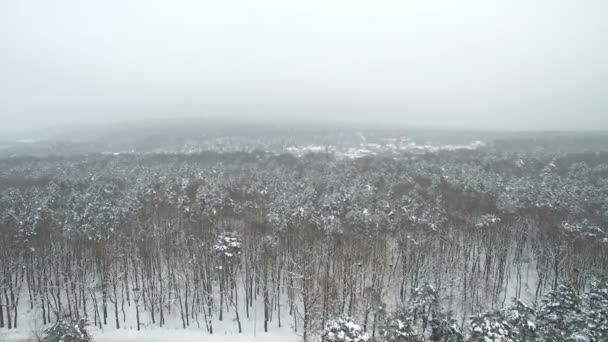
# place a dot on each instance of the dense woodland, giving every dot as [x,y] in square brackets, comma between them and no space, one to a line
[449,246]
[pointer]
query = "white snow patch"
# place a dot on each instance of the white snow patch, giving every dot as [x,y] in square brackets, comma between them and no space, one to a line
[163,335]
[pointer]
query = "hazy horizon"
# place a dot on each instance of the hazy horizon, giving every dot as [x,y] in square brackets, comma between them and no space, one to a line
[474,65]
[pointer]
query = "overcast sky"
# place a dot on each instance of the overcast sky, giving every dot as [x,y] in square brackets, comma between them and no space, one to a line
[482,64]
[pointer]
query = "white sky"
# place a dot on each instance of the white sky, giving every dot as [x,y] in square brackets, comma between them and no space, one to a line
[519,64]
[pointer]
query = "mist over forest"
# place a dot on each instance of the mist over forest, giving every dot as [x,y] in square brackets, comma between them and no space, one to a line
[322,171]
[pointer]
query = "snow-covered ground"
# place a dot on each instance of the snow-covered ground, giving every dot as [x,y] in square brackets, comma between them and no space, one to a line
[164,335]
[155,334]
[31,326]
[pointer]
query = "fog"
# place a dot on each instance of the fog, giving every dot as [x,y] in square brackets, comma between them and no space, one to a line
[475,64]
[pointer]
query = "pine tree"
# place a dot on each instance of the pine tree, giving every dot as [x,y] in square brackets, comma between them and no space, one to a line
[344,330]
[68,331]
[399,327]
[596,309]
[522,319]
[491,326]
[560,317]
[445,330]
[512,323]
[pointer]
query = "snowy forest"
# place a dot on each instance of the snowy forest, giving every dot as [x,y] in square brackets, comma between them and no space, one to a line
[481,244]
[304,171]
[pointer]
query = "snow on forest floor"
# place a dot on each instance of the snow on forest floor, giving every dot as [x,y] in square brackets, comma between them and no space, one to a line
[226,331]
[162,335]
[30,326]
[284,334]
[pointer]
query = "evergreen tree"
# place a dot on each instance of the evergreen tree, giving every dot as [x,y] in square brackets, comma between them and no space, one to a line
[491,326]
[344,330]
[513,323]
[596,309]
[560,317]
[445,330]
[522,320]
[399,327]
[68,330]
